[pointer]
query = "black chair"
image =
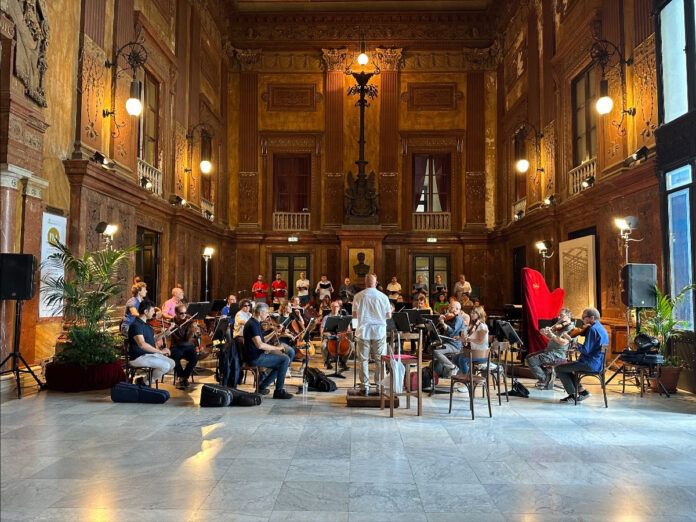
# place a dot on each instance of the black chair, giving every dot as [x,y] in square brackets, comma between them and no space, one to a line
[131,371]
[579,375]
[245,367]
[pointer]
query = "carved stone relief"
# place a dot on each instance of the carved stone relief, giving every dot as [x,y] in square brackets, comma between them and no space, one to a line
[33,34]
[248,197]
[91,88]
[645,69]
[431,96]
[389,59]
[549,153]
[334,59]
[300,97]
[475,197]
[180,159]
[389,197]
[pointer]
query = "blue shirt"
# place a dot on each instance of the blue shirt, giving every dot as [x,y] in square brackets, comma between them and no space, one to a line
[225,311]
[252,328]
[133,302]
[453,328]
[139,327]
[591,349]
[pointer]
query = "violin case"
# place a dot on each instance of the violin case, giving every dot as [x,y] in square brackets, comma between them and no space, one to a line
[126,392]
[216,396]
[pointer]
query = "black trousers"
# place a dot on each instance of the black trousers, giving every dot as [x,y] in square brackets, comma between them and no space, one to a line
[184,351]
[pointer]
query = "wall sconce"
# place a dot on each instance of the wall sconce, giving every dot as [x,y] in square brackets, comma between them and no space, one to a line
[208,215]
[588,182]
[107,230]
[135,55]
[543,247]
[206,136]
[102,160]
[522,163]
[641,153]
[602,52]
[177,201]
[550,200]
[145,182]
[518,215]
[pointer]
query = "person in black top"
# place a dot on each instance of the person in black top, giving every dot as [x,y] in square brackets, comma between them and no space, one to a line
[259,353]
[142,346]
[437,289]
[182,346]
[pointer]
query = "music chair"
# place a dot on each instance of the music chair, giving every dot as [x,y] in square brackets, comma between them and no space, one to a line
[579,375]
[472,381]
[131,371]
[498,347]
[244,367]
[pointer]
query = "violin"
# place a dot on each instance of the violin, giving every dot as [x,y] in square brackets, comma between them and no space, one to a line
[560,326]
[580,332]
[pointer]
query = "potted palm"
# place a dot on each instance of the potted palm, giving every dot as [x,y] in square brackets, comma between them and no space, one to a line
[660,322]
[87,358]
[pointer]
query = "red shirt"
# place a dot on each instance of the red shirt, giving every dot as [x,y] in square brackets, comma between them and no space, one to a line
[279,288]
[260,290]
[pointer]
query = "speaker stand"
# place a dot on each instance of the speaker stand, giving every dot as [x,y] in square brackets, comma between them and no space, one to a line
[16,356]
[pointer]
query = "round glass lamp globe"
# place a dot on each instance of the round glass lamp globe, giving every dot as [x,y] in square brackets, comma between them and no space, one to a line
[363,59]
[604,105]
[134,107]
[206,166]
[522,165]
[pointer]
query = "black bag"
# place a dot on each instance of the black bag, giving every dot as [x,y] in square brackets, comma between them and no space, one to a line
[318,381]
[440,370]
[215,396]
[644,342]
[518,390]
[126,392]
[244,398]
[428,377]
[228,367]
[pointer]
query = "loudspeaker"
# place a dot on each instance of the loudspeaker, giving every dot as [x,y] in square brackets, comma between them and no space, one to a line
[638,285]
[17,276]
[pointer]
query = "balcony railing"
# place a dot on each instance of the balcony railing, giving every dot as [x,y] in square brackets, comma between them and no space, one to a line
[519,205]
[432,222]
[145,170]
[291,221]
[580,174]
[207,206]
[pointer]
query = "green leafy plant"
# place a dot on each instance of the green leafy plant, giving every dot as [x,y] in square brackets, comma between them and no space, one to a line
[85,292]
[660,322]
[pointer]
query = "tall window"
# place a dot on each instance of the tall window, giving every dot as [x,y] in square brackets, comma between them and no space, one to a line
[431,181]
[680,196]
[292,175]
[675,98]
[289,267]
[149,136]
[584,117]
[429,266]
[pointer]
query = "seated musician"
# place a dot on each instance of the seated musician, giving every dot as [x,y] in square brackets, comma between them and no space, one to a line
[259,353]
[325,306]
[232,299]
[182,346]
[476,336]
[555,351]
[280,336]
[422,303]
[241,318]
[590,359]
[417,289]
[328,358]
[442,304]
[143,349]
[138,291]
[169,306]
[465,316]
[450,326]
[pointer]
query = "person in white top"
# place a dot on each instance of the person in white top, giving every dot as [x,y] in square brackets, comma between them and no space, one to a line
[393,290]
[371,308]
[476,335]
[461,287]
[242,317]
[302,287]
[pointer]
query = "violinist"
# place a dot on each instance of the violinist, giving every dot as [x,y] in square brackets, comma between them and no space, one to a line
[450,325]
[590,359]
[476,336]
[555,350]
[241,318]
[169,306]
[139,291]
[182,346]
[143,349]
[463,314]
[343,359]
[276,334]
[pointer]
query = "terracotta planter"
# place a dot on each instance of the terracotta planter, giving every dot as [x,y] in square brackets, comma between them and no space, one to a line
[78,378]
[669,378]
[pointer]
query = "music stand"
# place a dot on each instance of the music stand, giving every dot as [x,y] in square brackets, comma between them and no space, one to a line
[202,308]
[218,304]
[234,308]
[220,329]
[399,306]
[505,332]
[335,325]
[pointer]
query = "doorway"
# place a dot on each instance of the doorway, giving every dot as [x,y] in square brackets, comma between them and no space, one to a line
[147,260]
[289,267]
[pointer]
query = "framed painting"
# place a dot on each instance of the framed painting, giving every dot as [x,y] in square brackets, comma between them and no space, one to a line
[361,262]
[578,273]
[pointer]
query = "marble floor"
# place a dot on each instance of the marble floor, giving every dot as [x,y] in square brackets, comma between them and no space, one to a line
[82,457]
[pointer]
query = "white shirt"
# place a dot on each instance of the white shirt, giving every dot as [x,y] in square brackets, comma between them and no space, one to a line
[461,289]
[482,327]
[302,283]
[239,320]
[371,308]
[393,289]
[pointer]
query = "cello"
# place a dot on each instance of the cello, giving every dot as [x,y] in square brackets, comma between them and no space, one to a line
[339,343]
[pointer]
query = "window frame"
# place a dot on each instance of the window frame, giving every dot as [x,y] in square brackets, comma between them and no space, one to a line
[143,131]
[430,176]
[589,113]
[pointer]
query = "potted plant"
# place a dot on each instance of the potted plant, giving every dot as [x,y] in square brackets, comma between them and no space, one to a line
[88,357]
[660,322]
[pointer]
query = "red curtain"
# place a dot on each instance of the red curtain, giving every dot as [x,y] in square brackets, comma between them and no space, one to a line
[539,303]
[419,164]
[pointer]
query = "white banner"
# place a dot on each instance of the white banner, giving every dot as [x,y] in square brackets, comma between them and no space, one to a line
[53,228]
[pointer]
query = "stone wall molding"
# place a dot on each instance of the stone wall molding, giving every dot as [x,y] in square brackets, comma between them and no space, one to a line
[11,176]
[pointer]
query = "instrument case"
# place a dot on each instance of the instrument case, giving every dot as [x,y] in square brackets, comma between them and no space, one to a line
[126,392]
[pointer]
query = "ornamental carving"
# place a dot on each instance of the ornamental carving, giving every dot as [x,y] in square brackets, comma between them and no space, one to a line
[646,86]
[475,197]
[33,34]
[248,59]
[485,59]
[248,197]
[334,59]
[295,97]
[549,154]
[281,62]
[91,87]
[180,149]
[389,59]
[432,96]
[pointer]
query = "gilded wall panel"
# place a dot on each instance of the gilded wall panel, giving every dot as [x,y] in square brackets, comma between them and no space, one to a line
[491,116]
[233,145]
[92,77]
[432,96]
[180,160]
[432,120]
[275,87]
[614,124]
[645,89]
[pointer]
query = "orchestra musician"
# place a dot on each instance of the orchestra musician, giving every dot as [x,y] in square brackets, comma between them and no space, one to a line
[590,355]
[324,307]
[302,287]
[231,299]
[442,305]
[280,291]
[465,316]
[418,288]
[138,291]
[260,290]
[143,348]
[182,346]
[241,318]
[342,360]
[394,290]
[422,303]
[555,350]
[450,325]
[476,336]
[259,353]
[169,306]
[372,309]
[324,288]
